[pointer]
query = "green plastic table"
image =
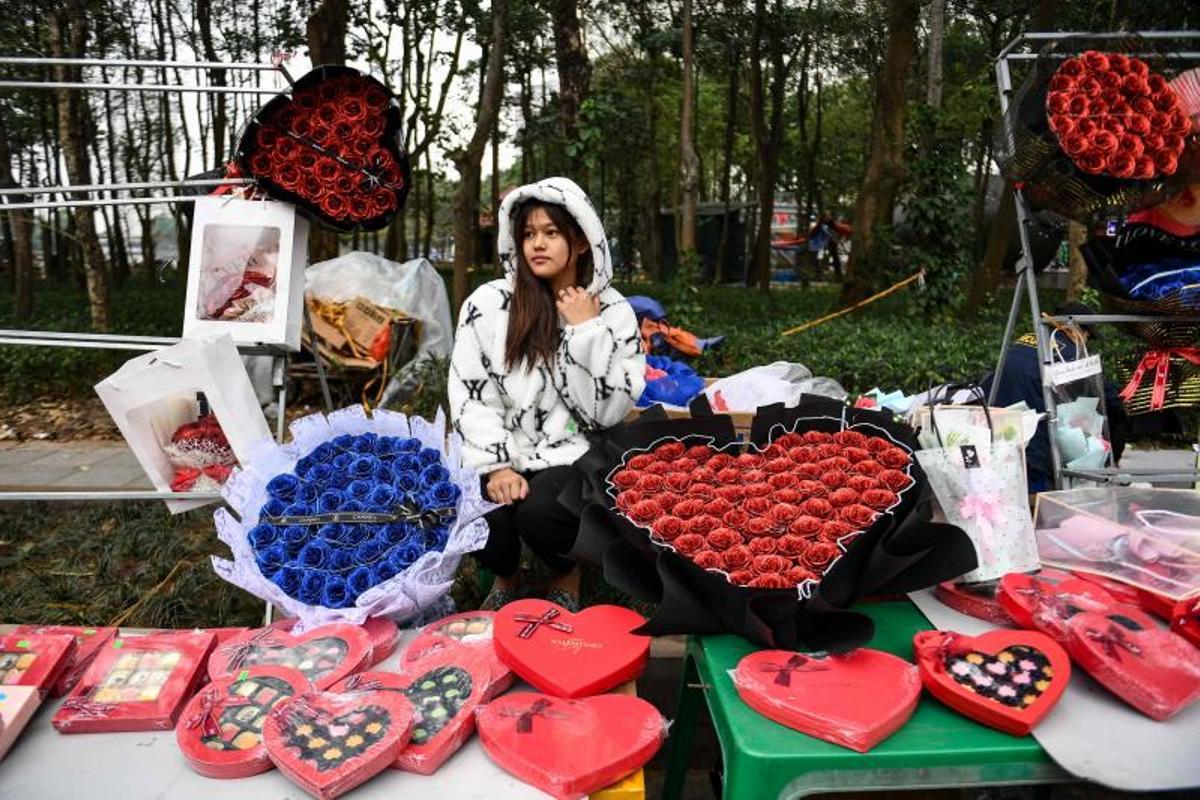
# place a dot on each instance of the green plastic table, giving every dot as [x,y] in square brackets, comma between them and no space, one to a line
[938,748]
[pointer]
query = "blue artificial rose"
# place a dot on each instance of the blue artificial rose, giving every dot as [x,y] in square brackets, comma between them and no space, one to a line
[294,537]
[262,536]
[436,538]
[287,579]
[406,482]
[382,572]
[428,457]
[368,552]
[383,473]
[323,453]
[355,535]
[359,490]
[331,500]
[308,493]
[442,495]
[408,446]
[359,580]
[343,443]
[337,594]
[365,443]
[401,558]
[271,559]
[353,505]
[376,532]
[283,487]
[340,561]
[406,463]
[342,462]
[332,532]
[272,508]
[321,473]
[298,510]
[364,466]
[382,498]
[312,586]
[304,466]
[400,532]
[433,475]
[412,549]
[314,555]
[386,446]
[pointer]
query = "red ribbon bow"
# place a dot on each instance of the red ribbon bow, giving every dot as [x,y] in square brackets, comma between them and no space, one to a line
[1160,362]
[206,718]
[1058,603]
[356,683]
[533,623]
[797,663]
[540,708]
[947,647]
[86,709]
[238,653]
[1114,640]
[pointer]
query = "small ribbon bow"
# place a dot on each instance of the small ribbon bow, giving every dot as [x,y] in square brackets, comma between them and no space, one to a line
[948,647]
[238,653]
[797,663]
[206,717]
[547,619]
[1159,361]
[1113,640]
[86,709]
[1058,603]
[356,683]
[540,708]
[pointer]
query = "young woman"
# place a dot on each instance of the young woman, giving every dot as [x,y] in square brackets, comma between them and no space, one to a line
[542,357]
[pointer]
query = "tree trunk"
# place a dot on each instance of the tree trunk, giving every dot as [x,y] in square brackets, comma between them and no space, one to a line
[574,71]
[1077,270]
[468,161]
[326,30]
[689,162]
[427,250]
[526,122]
[731,104]
[768,137]
[68,37]
[885,164]
[937,35]
[21,227]
[217,76]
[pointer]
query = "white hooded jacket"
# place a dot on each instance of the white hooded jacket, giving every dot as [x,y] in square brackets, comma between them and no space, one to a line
[530,419]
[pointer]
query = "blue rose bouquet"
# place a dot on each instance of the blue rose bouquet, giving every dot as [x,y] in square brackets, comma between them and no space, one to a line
[356,517]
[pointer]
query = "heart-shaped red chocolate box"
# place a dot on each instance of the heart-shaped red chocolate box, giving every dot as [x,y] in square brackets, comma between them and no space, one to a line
[570,655]
[570,748]
[855,700]
[1047,600]
[469,629]
[1150,668]
[220,729]
[329,743]
[384,633]
[325,654]
[1006,679]
[444,688]
[333,148]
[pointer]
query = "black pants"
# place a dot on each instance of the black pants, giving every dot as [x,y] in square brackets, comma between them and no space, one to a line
[540,520]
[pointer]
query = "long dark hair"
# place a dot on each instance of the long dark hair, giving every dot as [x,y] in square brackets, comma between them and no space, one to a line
[533,320]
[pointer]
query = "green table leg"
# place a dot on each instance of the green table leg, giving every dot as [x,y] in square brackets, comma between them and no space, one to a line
[683,731]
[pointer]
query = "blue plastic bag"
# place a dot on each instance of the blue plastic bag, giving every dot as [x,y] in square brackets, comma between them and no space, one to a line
[676,388]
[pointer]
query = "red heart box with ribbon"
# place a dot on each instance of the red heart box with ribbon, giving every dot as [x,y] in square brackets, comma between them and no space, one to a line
[570,748]
[35,660]
[88,642]
[220,730]
[384,633]
[570,655]
[855,700]
[328,743]
[1047,600]
[333,147]
[1150,668]
[470,629]
[1008,680]
[325,654]
[445,687]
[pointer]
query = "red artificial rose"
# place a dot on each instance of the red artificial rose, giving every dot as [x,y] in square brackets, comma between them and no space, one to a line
[774,450]
[757,489]
[769,563]
[784,480]
[1166,100]
[1155,84]
[1118,63]
[868,468]
[839,463]
[1167,162]
[835,529]
[819,555]
[741,577]
[1138,124]
[805,525]
[1097,110]
[375,98]
[1092,162]
[302,125]
[755,476]
[1074,145]
[759,526]
[284,118]
[266,136]
[1090,86]
[1160,121]
[798,575]
[701,490]
[383,201]
[828,450]
[1122,164]
[684,464]
[808,471]
[723,538]
[1180,123]
[862,483]
[1062,83]
[812,488]
[669,451]
[668,528]
[667,501]
[786,496]
[645,512]
[834,478]
[310,189]
[762,545]
[260,164]
[703,524]
[718,507]
[326,114]
[305,99]
[1139,67]
[640,461]
[894,479]
[1095,61]
[288,176]
[678,481]
[790,440]
[699,453]
[736,518]
[1110,80]
[777,466]
[1172,143]
[352,109]
[1072,66]
[688,543]
[1131,144]
[880,499]
[285,150]
[782,514]
[1142,105]
[817,507]
[848,438]
[1104,142]
[894,458]
[1058,102]
[791,544]
[707,559]
[770,580]
[843,497]
[686,509]
[729,475]
[650,483]
[704,475]
[858,515]
[322,135]
[733,494]
[660,468]
[856,454]
[736,557]
[1078,105]
[720,461]
[748,461]
[816,437]
[627,499]
[757,505]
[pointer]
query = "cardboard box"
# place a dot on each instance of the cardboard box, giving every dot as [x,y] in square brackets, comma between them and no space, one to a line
[742,420]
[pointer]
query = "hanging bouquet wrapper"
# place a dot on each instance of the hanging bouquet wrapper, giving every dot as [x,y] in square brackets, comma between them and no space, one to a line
[1097,128]
[333,146]
[356,517]
[1164,378]
[773,540]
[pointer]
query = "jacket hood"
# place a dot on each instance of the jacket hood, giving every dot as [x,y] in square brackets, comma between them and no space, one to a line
[564,192]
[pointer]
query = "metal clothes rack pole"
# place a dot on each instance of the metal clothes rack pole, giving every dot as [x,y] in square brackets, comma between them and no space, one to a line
[1026,283]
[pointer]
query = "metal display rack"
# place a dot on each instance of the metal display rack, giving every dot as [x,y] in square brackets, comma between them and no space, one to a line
[1023,49]
[28,338]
